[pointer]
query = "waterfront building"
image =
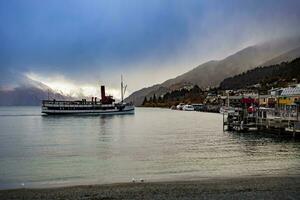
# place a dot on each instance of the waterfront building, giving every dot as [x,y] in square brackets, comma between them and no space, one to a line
[289,96]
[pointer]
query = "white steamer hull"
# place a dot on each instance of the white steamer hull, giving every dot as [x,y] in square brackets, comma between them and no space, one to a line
[126,110]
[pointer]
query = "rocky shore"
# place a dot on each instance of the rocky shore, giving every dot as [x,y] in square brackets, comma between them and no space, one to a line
[235,188]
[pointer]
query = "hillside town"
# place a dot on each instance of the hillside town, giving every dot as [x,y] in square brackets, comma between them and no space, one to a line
[277,111]
[286,98]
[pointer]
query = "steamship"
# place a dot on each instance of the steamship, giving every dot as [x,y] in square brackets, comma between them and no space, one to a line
[106,105]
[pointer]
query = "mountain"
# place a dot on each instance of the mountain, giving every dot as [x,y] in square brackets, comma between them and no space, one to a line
[267,76]
[26,96]
[286,57]
[27,93]
[211,73]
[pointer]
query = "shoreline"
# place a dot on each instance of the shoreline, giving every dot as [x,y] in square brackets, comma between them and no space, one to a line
[266,187]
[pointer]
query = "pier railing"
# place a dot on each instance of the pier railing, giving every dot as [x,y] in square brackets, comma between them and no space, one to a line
[283,114]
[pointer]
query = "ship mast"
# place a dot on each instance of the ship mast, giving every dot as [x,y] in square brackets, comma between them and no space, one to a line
[122,97]
[123,89]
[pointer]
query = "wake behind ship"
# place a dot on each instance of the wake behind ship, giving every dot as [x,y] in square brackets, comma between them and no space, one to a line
[106,105]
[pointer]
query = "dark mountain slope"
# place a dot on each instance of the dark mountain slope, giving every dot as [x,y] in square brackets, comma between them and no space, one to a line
[285,71]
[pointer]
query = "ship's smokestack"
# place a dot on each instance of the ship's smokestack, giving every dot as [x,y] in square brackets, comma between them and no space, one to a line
[102,92]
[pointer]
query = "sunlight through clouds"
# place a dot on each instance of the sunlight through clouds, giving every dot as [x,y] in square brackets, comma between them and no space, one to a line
[67,87]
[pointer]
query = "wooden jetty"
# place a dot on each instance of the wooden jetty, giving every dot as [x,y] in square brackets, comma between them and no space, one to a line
[263,120]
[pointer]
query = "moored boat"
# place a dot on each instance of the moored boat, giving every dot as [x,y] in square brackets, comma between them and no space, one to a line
[188,108]
[180,106]
[226,110]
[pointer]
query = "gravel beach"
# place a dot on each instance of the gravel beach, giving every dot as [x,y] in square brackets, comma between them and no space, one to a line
[226,188]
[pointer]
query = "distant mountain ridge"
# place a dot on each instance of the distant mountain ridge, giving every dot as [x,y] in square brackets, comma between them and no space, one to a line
[27,96]
[211,73]
[28,93]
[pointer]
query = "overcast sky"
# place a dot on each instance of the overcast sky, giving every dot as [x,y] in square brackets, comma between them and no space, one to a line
[79,43]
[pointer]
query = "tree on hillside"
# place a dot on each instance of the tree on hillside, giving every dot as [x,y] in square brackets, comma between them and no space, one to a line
[154,99]
[160,100]
[145,101]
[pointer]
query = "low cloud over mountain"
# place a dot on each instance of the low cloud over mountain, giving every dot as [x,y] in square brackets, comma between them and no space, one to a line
[18,90]
[213,72]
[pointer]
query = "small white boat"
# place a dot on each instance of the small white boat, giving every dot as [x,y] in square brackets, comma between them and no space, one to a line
[180,106]
[226,110]
[188,108]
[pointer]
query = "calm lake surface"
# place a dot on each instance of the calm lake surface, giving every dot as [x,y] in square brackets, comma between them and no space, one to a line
[153,144]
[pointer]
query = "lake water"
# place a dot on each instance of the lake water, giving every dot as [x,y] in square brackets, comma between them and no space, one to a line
[153,144]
